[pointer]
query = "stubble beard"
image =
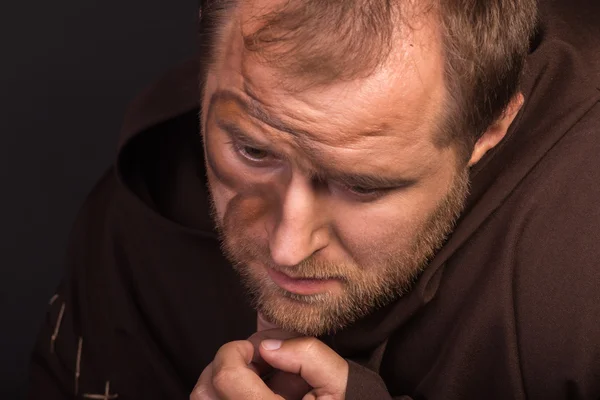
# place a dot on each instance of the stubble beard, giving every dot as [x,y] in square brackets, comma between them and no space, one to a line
[365,288]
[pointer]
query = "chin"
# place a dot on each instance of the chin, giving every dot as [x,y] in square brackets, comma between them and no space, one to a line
[313,315]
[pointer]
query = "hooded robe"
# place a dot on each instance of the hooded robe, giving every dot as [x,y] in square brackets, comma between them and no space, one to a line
[509,308]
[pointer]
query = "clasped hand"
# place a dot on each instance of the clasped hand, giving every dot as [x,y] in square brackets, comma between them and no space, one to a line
[268,367]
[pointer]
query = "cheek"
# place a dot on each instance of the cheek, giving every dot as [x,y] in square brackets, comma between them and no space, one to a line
[371,234]
[237,209]
[243,213]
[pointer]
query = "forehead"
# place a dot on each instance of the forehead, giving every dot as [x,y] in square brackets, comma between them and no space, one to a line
[396,108]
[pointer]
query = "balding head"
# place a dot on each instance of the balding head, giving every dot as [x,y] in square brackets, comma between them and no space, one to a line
[319,42]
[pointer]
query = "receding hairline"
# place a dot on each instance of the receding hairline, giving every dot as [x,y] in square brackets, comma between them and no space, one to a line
[316,48]
[471,57]
[226,33]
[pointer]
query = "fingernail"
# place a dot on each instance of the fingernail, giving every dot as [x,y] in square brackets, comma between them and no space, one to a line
[271,344]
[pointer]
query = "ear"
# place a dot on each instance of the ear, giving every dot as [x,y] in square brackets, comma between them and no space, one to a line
[497,130]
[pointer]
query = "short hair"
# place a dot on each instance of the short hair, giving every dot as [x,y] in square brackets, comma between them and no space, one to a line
[485,44]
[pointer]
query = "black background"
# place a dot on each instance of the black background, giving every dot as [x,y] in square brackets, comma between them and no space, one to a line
[67,71]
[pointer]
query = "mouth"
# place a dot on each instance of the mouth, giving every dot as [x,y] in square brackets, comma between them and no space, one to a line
[303,286]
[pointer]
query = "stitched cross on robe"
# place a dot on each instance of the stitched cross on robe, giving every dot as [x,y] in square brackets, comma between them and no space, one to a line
[105,396]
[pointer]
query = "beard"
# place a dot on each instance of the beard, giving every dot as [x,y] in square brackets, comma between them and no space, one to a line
[365,288]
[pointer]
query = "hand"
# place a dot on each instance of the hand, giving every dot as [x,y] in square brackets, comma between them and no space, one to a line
[317,364]
[236,371]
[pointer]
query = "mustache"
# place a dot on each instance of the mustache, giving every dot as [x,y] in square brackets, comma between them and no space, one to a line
[243,250]
[311,269]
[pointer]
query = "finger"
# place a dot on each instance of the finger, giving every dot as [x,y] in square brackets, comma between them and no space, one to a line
[234,378]
[288,385]
[234,355]
[320,366]
[262,367]
[276,333]
[204,389]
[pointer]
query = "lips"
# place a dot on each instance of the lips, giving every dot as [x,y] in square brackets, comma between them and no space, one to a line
[302,286]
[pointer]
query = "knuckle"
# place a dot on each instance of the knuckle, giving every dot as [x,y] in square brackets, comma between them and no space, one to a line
[231,348]
[203,389]
[224,378]
[226,347]
[199,393]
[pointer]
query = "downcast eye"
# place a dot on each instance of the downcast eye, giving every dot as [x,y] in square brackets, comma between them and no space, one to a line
[253,153]
[362,190]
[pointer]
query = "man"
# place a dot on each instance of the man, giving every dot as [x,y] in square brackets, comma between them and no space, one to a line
[408,217]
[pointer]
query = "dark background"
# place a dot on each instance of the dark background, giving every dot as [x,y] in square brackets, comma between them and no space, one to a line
[67,71]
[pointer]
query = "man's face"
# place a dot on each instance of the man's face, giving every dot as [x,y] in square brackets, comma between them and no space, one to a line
[329,200]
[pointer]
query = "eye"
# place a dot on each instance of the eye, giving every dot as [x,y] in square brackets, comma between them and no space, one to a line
[253,153]
[362,191]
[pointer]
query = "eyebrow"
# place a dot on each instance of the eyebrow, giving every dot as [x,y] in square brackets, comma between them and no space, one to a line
[255,110]
[237,133]
[370,181]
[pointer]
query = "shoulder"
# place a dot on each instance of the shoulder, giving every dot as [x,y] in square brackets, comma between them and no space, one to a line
[557,272]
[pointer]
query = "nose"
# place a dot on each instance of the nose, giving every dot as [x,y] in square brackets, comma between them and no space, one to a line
[300,228]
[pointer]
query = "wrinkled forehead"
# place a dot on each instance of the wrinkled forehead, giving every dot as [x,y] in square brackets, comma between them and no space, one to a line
[402,97]
[376,152]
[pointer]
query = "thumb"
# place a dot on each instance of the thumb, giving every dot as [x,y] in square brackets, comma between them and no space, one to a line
[262,367]
[321,367]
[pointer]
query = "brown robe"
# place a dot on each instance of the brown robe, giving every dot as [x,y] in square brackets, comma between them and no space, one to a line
[508,309]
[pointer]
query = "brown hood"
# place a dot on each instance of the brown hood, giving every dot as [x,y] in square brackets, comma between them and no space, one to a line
[176,93]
